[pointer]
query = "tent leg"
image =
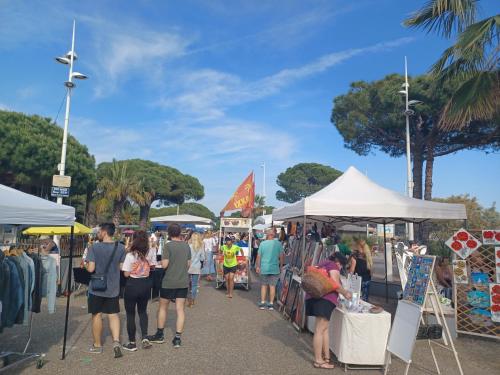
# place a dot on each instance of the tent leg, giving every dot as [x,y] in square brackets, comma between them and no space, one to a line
[385,261]
[70,271]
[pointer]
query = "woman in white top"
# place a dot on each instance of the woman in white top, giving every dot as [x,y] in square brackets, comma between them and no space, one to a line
[209,245]
[197,259]
[139,262]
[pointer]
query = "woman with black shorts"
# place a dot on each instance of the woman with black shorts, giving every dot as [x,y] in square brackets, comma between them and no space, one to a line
[322,309]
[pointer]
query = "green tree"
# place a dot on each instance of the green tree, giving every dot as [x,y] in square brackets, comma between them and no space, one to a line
[473,59]
[30,150]
[117,186]
[304,179]
[158,183]
[190,208]
[370,117]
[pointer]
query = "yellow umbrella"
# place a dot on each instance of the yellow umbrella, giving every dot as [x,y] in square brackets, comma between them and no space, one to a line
[80,229]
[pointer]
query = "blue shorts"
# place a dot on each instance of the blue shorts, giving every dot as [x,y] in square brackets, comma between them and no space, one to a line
[269,279]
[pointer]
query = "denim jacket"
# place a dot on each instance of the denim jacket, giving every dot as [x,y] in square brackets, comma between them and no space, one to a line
[49,281]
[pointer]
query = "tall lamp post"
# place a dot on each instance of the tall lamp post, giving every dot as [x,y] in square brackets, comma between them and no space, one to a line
[68,59]
[264,185]
[408,112]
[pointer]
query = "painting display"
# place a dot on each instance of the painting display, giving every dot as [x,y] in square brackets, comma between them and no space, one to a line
[299,318]
[285,285]
[290,302]
[497,263]
[419,276]
[495,302]
[491,237]
[463,243]
[460,272]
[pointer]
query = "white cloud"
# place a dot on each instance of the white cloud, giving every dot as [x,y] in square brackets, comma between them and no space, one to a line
[4,107]
[208,93]
[26,92]
[127,50]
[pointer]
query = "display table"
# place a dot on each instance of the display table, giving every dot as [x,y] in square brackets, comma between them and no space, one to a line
[359,338]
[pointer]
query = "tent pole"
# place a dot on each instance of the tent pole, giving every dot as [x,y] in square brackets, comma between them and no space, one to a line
[304,232]
[385,261]
[70,271]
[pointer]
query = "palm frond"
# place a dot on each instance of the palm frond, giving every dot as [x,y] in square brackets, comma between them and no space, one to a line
[478,98]
[444,16]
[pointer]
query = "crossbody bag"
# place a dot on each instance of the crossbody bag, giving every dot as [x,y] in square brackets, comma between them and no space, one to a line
[99,281]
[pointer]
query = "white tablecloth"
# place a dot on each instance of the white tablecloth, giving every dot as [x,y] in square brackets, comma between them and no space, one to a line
[359,338]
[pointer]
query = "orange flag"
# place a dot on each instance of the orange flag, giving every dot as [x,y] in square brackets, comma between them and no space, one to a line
[243,198]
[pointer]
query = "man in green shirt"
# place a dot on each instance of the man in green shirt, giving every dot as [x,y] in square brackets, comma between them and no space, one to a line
[270,260]
[230,266]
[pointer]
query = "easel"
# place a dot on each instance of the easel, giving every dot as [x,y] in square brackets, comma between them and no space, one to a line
[434,306]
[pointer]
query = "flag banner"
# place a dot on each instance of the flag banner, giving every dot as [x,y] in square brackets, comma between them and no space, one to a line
[243,197]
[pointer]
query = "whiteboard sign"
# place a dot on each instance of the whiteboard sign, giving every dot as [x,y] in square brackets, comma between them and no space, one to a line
[404,330]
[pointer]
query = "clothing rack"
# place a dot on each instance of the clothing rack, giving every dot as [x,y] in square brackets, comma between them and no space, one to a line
[24,357]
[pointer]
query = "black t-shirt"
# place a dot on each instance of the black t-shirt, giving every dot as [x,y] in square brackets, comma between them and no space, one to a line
[362,269]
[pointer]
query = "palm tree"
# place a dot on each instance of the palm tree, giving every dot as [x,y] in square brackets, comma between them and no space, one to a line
[115,189]
[473,59]
[259,204]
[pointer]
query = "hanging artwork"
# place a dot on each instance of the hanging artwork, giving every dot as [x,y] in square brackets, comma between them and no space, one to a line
[497,262]
[285,286]
[491,237]
[299,317]
[463,243]
[419,276]
[460,272]
[495,302]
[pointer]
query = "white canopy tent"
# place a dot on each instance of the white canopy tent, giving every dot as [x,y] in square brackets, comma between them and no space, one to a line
[267,220]
[354,198]
[20,208]
[182,219]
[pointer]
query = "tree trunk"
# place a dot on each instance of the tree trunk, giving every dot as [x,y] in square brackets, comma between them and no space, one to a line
[117,212]
[143,216]
[429,169]
[418,165]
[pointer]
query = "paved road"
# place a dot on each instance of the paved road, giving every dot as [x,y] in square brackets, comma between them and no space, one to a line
[222,337]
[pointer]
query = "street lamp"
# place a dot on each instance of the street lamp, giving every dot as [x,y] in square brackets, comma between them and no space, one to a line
[408,112]
[68,59]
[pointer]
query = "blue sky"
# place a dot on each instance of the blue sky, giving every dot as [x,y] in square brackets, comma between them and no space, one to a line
[215,88]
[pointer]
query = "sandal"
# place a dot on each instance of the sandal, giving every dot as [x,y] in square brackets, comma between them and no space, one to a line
[323,365]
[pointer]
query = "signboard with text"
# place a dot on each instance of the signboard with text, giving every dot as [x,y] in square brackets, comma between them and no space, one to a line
[58,191]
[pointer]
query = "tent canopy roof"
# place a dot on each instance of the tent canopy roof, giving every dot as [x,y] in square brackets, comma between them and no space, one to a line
[354,198]
[20,208]
[79,230]
[181,219]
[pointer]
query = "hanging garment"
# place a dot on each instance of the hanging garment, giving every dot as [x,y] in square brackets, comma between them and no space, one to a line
[20,314]
[31,268]
[4,289]
[27,287]
[14,303]
[37,289]
[49,281]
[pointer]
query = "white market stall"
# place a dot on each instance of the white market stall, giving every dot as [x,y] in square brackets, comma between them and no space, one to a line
[18,208]
[182,219]
[355,199]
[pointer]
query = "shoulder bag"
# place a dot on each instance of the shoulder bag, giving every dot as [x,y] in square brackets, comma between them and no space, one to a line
[99,281]
[317,283]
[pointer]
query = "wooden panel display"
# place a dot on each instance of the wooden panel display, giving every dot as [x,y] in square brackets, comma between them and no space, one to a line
[472,300]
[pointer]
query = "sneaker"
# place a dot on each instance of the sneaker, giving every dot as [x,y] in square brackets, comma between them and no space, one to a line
[131,347]
[270,306]
[95,350]
[118,351]
[176,342]
[146,344]
[157,338]
[262,305]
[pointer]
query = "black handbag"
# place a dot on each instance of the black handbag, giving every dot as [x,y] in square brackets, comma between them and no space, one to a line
[99,281]
[81,275]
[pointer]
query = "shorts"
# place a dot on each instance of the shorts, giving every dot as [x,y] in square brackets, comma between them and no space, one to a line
[271,280]
[319,307]
[230,269]
[173,293]
[104,305]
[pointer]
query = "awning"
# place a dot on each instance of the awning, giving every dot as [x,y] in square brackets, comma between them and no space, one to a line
[181,219]
[80,229]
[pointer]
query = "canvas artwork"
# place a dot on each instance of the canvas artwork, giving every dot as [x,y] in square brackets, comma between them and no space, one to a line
[497,262]
[495,302]
[463,243]
[491,237]
[290,303]
[300,310]
[460,272]
[285,286]
[419,276]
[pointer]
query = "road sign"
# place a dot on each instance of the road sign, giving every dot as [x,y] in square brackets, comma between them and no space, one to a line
[61,181]
[58,191]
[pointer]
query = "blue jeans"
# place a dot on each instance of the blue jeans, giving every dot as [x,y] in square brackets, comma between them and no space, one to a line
[365,290]
[194,284]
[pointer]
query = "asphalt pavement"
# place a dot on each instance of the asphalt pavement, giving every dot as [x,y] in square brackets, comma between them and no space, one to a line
[222,336]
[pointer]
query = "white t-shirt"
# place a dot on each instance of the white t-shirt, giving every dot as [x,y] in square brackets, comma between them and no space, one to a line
[208,244]
[139,268]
